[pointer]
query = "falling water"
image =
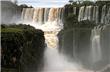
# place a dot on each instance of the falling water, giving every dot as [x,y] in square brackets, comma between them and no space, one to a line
[53,60]
[103,14]
[88,12]
[96,14]
[108,17]
[52,19]
[81,14]
[74,10]
[27,14]
[96,45]
[92,13]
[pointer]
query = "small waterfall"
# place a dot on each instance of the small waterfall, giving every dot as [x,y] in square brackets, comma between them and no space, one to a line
[27,14]
[88,11]
[105,19]
[108,17]
[46,14]
[36,15]
[40,15]
[53,14]
[103,14]
[96,45]
[81,13]
[74,10]
[92,13]
[96,14]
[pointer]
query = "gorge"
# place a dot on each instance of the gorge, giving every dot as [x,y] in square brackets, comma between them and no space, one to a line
[77,36]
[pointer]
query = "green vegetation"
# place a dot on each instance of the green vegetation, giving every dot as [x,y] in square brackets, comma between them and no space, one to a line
[22,46]
[87,3]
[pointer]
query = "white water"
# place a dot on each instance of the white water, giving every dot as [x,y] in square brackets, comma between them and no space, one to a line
[92,13]
[96,45]
[53,60]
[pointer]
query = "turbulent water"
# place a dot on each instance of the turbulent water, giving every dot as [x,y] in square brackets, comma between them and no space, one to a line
[50,21]
[55,61]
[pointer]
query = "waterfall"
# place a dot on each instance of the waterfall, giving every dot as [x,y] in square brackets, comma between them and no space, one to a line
[107,20]
[38,15]
[46,14]
[47,19]
[41,15]
[27,14]
[103,14]
[88,11]
[50,20]
[74,10]
[96,14]
[92,13]
[96,45]
[108,17]
[81,13]
[53,14]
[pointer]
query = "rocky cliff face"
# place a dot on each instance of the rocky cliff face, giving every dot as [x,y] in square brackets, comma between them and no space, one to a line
[86,45]
[85,36]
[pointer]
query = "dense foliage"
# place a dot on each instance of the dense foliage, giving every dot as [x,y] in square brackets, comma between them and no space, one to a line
[21,46]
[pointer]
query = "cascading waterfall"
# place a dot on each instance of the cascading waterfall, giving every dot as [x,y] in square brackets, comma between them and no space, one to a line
[41,15]
[108,17]
[92,13]
[85,13]
[96,49]
[96,14]
[27,14]
[46,14]
[103,14]
[50,20]
[81,14]
[88,11]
